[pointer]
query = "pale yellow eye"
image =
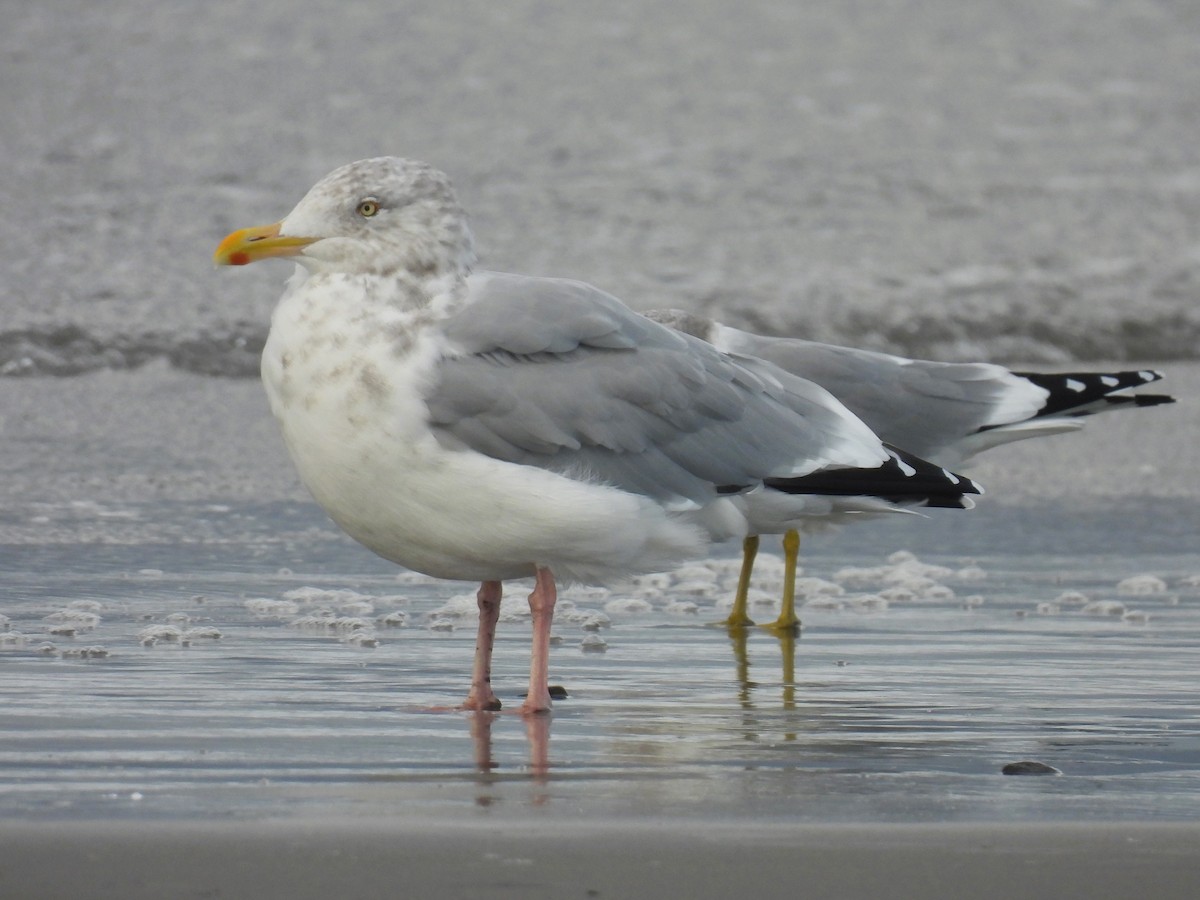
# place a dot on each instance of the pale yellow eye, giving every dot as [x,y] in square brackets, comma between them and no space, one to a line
[368,207]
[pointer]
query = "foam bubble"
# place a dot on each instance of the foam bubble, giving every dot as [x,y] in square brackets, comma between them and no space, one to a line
[818,587]
[628,606]
[681,608]
[160,634]
[75,618]
[1072,598]
[270,608]
[593,643]
[1104,608]
[1137,585]
[971,573]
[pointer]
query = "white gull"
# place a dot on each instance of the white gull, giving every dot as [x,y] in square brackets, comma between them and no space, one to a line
[494,426]
[943,412]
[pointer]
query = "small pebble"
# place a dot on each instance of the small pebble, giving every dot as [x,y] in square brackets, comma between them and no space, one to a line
[557,692]
[1029,767]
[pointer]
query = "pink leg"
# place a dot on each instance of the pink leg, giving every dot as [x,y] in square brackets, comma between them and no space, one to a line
[481,696]
[541,605]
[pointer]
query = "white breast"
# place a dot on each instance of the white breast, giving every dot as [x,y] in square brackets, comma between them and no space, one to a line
[346,379]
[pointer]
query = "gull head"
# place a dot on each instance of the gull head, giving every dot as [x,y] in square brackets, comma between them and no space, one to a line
[384,216]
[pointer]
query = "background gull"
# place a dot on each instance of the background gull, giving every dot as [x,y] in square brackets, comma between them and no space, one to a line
[945,412]
[512,426]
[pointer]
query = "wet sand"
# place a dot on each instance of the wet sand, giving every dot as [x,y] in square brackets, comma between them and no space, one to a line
[320,858]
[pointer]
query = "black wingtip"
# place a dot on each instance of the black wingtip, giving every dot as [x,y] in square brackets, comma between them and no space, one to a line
[1144,399]
[1082,393]
[904,478]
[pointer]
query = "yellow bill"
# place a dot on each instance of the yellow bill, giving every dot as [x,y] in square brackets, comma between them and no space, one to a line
[261,242]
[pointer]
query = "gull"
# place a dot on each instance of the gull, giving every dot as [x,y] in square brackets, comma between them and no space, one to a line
[490,426]
[943,412]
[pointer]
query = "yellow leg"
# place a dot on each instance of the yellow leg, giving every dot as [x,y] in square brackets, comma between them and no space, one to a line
[788,620]
[738,618]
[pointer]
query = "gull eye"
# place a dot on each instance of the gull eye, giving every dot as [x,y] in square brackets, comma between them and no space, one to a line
[367,208]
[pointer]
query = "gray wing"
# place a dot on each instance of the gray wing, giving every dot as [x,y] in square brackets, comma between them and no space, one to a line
[557,374]
[928,408]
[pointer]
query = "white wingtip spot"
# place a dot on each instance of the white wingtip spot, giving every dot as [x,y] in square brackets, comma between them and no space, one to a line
[908,470]
[1109,381]
[1149,375]
[950,476]
[1074,385]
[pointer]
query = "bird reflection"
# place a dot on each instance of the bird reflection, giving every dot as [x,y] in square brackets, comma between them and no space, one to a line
[787,649]
[480,722]
[537,736]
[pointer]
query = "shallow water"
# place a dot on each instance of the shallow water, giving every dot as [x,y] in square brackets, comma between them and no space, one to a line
[903,713]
